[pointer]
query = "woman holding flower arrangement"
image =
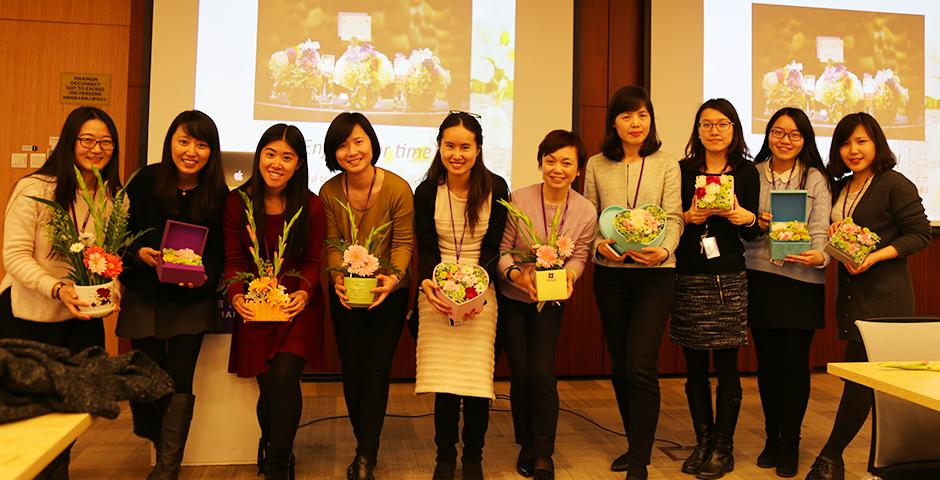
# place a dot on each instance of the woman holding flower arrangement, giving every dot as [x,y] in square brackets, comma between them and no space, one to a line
[720,195]
[459,226]
[788,160]
[870,193]
[37,302]
[634,288]
[551,209]
[370,212]
[167,321]
[273,223]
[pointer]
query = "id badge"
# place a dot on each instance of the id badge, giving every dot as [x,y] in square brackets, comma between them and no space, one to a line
[710,247]
[778,262]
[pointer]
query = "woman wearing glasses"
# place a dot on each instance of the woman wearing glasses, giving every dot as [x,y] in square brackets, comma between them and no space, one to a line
[876,196]
[788,160]
[709,314]
[167,321]
[366,337]
[35,303]
[634,290]
[458,220]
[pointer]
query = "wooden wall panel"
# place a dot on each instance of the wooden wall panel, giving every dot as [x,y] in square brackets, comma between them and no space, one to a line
[96,12]
[591,47]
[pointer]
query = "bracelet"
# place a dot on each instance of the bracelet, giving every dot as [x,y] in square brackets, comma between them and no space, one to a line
[752,221]
[56,289]
[508,272]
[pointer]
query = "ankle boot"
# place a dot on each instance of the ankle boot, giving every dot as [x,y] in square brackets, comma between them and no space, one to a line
[176,420]
[700,407]
[768,456]
[721,460]
[726,419]
[279,464]
[788,456]
[826,469]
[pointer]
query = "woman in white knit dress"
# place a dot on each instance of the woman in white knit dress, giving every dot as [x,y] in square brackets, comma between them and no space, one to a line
[458,220]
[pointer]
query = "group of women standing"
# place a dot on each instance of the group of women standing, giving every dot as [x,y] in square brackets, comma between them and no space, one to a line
[712,275]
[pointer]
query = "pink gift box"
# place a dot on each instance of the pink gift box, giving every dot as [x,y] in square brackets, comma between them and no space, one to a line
[180,235]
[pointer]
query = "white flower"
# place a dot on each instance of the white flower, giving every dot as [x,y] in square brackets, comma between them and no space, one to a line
[278,63]
[712,189]
[700,181]
[87,238]
[76,247]
[708,199]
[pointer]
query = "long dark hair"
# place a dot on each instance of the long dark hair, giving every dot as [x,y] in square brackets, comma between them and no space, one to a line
[294,194]
[205,203]
[884,157]
[481,181]
[340,129]
[737,150]
[61,162]
[809,156]
[628,99]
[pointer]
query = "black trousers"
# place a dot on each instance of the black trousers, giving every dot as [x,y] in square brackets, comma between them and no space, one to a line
[634,305]
[476,420]
[531,341]
[366,340]
[783,378]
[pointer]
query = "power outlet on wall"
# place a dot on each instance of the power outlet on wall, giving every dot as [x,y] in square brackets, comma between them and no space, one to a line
[18,160]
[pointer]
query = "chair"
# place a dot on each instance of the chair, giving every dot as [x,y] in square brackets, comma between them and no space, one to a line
[906,438]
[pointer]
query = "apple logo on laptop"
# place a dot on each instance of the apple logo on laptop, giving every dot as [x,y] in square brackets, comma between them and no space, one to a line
[238,175]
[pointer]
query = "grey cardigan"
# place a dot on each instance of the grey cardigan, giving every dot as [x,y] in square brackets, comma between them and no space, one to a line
[607,183]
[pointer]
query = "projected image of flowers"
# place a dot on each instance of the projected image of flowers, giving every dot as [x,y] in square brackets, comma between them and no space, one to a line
[834,62]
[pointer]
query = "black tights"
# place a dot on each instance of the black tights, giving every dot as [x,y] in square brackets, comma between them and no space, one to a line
[176,355]
[853,408]
[726,368]
[783,378]
[280,402]
[476,419]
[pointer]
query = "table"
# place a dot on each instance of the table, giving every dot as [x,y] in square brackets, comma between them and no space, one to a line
[916,386]
[27,446]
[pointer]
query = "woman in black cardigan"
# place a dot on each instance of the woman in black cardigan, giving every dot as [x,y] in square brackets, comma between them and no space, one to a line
[877,197]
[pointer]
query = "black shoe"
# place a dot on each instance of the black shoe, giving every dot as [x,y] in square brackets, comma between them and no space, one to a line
[620,464]
[699,456]
[720,462]
[544,469]
[826,469]
[768,456]
[472,467]
[445,469]
[279,464]
[788,457]
[360,469]
[524,463]
[637,472]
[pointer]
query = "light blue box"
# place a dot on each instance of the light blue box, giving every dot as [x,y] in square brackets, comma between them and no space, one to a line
[788,206]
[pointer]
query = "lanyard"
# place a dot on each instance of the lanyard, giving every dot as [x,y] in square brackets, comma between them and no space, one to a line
[857,196]
[773,180]
[636,194]
[458,246]
[564,214]
[87,214]
[365,208]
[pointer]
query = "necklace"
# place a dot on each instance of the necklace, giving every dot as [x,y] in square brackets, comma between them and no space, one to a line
[564,214]
[458,245]
[858,195]
[185,190]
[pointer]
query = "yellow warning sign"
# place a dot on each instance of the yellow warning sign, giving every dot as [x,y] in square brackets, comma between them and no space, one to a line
[85,88]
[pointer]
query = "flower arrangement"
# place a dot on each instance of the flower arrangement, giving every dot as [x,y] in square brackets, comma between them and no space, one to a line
[94,258]
[364,71]
[839,90]
[851,243]
[785,87]
[360,264]
[296,72]
[183,256]
[890,98]
[641,225]
[714,192]
[792,231]
[548,253]
[463,287]
[426,81]
[265,294]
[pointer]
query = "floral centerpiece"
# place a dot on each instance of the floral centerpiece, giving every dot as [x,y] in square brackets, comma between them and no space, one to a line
[548,254]
[183,256]
[714,192]
[360,264]
[364,71]
[839,90]
[785,87]
[426,81]
[94,258]
[463,287]
[265,295]
[890,98]
[296,72]
[640,227]
[851,243]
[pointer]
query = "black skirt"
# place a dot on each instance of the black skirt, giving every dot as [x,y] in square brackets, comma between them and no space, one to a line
[710,311]
[777,301]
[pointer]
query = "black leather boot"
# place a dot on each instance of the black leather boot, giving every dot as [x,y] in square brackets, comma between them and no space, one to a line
[147,418]
[826,469]
[726,419]
[768,456]
[721,460]
[176,420]
[700,407]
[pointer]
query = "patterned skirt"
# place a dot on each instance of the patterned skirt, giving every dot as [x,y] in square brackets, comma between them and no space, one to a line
[710,311]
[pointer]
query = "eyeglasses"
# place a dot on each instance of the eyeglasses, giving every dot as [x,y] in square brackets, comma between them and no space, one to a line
[458,112]
[793,135]
[722,126]
[90,142]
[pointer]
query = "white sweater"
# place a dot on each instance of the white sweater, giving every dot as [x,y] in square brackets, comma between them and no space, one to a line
[31,271]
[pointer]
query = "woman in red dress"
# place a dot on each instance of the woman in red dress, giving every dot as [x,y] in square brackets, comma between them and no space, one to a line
[275,352]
